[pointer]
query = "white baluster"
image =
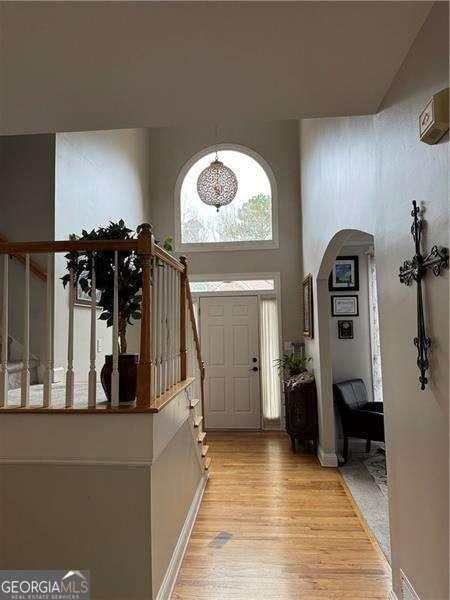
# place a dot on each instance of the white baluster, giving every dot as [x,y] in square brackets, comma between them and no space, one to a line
[48,335]
[177,327]
[25,384]
[191,342]
[5,338]
[166,323]
[159,327]
[69,372]
[115,336]
[174,325]
[170,329]
[92,389]
[163,329]
[155,273]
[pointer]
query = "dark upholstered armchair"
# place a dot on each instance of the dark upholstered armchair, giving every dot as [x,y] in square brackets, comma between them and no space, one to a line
[360,418]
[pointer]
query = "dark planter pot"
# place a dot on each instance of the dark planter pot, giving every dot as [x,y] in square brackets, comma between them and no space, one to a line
[127,377]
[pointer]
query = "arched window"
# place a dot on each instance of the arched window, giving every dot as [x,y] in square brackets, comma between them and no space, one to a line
[249,222]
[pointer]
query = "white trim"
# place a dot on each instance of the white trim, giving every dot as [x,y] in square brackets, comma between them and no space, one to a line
[408,590]
[276,292]
[226,246]
[327,459]
[170,577]
[234,276]
[392,595]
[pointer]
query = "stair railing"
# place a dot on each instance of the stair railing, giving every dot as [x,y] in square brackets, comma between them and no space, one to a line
[194,354]
[35,267]
[169,354]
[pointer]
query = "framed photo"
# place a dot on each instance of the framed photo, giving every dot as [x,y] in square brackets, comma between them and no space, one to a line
[345,330]
[344,306]
[82,298]
[345,274]
[308,316]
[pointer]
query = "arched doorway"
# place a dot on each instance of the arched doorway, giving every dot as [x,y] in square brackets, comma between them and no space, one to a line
[349,355]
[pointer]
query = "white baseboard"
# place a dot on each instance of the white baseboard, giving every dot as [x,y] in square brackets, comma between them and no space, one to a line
[392,595]
[170,577]
[327,459]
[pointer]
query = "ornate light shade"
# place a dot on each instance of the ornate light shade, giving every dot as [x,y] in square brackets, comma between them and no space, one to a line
[217,184]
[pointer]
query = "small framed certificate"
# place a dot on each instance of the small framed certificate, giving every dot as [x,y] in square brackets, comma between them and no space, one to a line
[344,306]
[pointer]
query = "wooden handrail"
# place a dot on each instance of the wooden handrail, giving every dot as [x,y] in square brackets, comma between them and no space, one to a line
[200,362]
[15,248]
[18,249]
[35,268]
[168,258]
[174,278]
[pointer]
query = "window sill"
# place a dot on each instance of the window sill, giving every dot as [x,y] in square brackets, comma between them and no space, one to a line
[227,246]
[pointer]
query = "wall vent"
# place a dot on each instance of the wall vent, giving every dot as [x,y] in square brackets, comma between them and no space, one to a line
[408,592]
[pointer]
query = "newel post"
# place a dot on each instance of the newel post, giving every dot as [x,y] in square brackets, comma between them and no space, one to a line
[183,299]
[144,379]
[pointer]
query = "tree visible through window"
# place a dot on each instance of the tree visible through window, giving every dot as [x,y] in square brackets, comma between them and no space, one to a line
[247,218]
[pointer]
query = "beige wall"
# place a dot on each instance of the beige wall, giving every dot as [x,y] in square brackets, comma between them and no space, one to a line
[27,171]
[362,173]
[119,503]
[100,176]
[277,143]
[176,475]
[94,516]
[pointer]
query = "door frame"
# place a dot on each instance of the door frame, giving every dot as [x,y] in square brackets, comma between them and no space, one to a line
[275,293]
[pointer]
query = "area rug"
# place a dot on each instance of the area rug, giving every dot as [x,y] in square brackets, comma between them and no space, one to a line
[376,465]
[366,477]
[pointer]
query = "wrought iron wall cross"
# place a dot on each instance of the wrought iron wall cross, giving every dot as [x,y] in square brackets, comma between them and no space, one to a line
[415,270]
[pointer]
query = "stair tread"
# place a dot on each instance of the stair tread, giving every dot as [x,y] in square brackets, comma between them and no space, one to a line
[201,437]
[194,403]
[198,420]
[208,463]
[205,450]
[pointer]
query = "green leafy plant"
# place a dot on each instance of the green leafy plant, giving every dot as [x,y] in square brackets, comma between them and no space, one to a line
[290,364]
[129,276]
[168,243]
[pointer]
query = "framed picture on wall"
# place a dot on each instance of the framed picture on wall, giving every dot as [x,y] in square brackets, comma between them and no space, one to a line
[345,329]
[344,306]
[308,316]
[345,274]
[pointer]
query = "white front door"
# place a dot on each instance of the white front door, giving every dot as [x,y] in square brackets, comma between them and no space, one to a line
[230,347]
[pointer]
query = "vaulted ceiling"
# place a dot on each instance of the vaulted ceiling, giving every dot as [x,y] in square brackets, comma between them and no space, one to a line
[98,65]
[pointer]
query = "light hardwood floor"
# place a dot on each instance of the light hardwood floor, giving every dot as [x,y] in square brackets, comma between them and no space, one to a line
[274,524]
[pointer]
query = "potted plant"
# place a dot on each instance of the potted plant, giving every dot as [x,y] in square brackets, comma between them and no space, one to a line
[130,283]
[290,364]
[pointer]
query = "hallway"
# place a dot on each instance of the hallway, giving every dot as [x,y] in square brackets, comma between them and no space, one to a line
[275,525]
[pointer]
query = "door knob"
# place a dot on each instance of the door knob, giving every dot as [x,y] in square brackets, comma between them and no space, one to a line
[254,369]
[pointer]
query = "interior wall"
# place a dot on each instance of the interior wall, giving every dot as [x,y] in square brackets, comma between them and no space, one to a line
[352,358]
[27,170]
[277,143]
[176,475]
[77,518]
[362,173]
[100,176]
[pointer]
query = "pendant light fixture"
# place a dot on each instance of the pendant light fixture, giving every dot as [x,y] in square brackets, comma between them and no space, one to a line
[217,184]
